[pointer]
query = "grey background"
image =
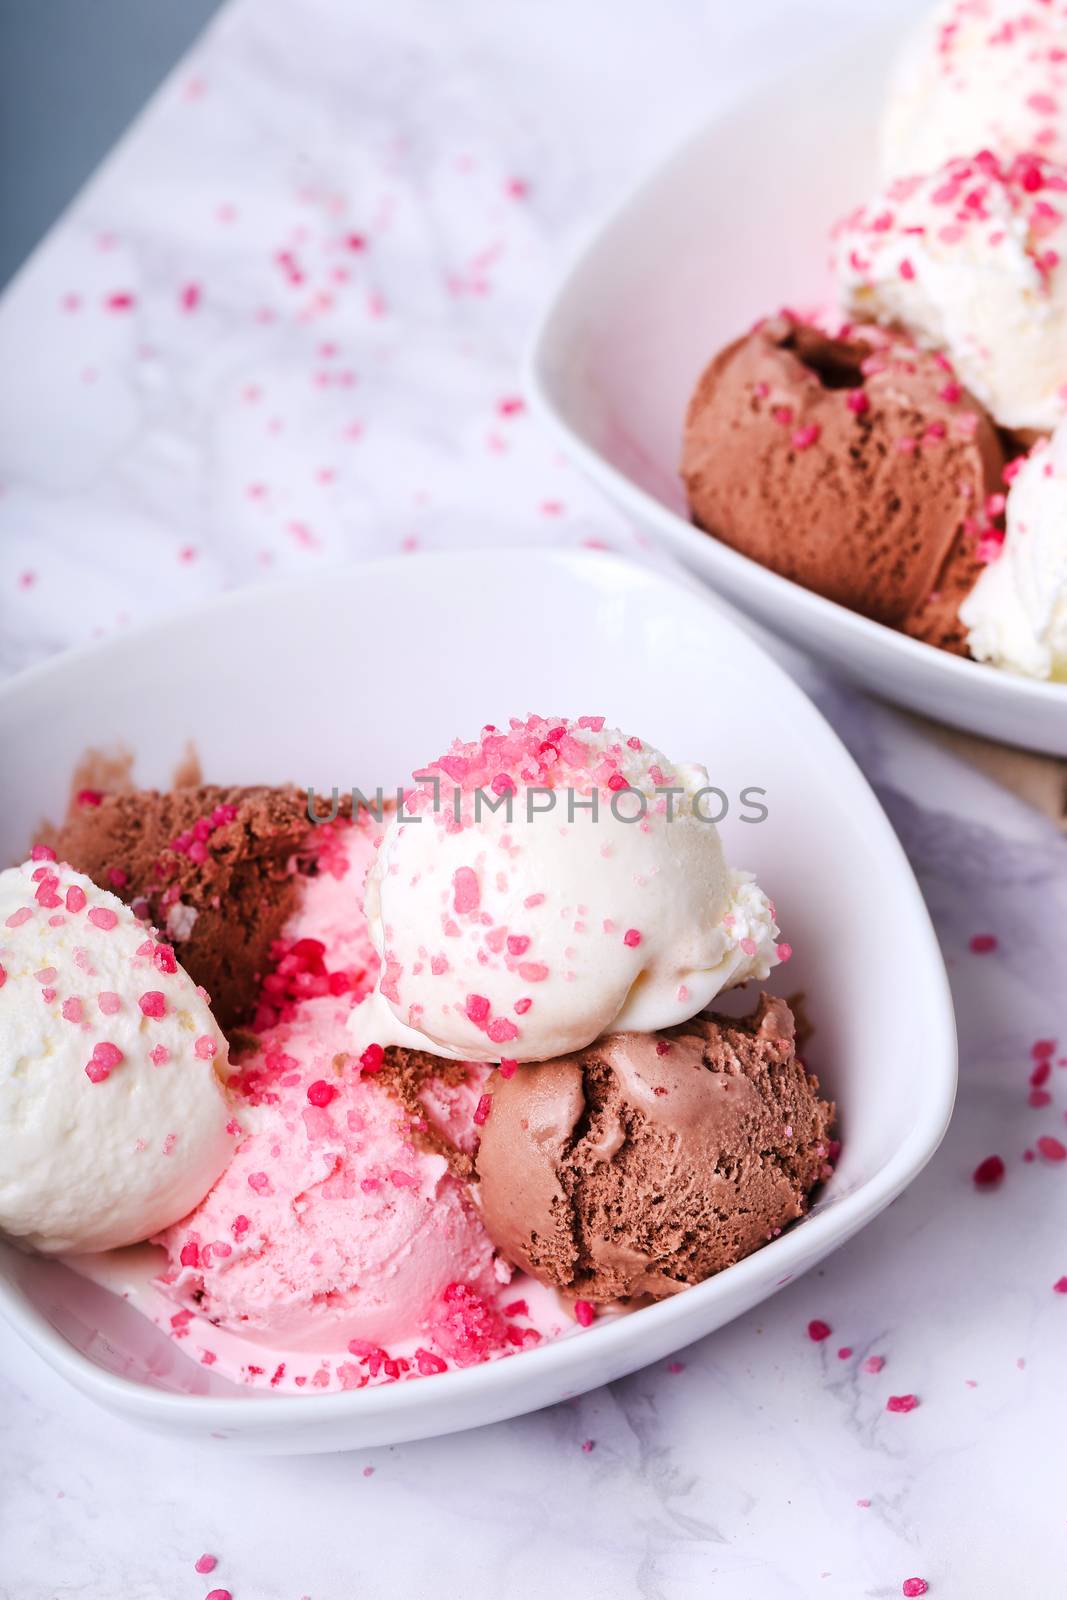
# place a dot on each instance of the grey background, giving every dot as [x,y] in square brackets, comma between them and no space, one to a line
[73,73]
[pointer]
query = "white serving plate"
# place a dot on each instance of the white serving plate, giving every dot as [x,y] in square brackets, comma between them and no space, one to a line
[734,226]
[353,678]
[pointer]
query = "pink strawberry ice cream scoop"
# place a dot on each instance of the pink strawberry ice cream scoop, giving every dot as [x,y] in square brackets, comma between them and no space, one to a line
[336,1220]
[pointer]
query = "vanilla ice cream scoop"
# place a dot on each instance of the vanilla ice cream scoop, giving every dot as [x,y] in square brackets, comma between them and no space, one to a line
[972,260]
[595,898]
[1017,611]
[979,75]
[114,1121]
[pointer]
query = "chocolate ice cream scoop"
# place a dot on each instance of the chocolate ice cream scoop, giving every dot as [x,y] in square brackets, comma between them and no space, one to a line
[647,1162]
[856,466]
[210,867]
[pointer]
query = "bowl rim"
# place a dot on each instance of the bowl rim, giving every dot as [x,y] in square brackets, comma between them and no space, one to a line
[254,1411]
[577,286]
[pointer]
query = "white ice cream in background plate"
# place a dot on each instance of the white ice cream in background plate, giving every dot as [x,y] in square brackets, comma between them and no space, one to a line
[114,1121]
[1017,611]
[978,75]
[527,936]
[972,260]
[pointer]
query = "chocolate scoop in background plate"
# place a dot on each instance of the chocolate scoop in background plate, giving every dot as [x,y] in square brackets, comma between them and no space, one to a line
[857,466]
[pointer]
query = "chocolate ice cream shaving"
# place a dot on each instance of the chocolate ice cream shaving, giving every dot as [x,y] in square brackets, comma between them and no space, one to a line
[222,898]
[858,467]
[648,1162]
[405,1073]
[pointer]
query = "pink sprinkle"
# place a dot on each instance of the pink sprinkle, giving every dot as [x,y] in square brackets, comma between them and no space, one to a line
[153,1004]
[902,1402]
[804,438]
[819,1330]
[164,959]
[159,1055]
[482,1110]
[910,1587]
[584,1312]
[45,975]
[95,1071]
[190,297]
[75,898]
[874,1364]
[749,946]
[508,1067]
[117,878]
[42,852]
[522,1006]
[219,1594]
[907,271]
[103,917]
[259,1182]
[190,1257]
[205,1565]
[372,1058]
[72,1010]
[1043,1049]
[631,938]
[205,1047]
[403,1180]
[121,301]
[588,1445]
[518,944]
[533,900]
[3,977]
[783,951]
[466,890]
[983,943]
[857,401]
[988,1173]
[1060,1286]
[320,1093]
[109,1002]
[477,1008]
[502,1030]
[17,918]
[1052,1149]
[844,1352]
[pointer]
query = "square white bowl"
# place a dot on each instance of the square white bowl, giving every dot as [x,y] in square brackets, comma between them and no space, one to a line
[352,679]
[734,226]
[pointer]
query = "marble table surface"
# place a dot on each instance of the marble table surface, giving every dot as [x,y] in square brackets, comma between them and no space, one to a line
[282,329]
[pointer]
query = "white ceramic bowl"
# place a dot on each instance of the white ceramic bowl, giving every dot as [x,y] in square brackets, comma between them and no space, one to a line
[734,226]
[353,679]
